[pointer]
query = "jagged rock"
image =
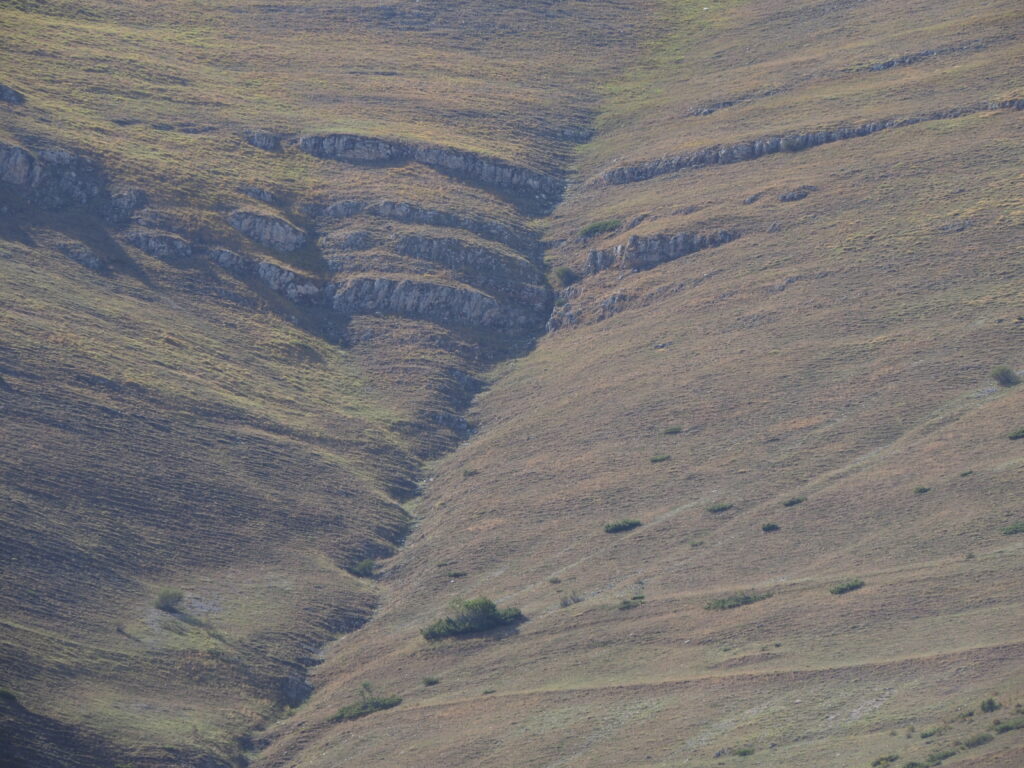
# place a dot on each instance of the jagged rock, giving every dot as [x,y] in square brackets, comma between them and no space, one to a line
[292,691]
[83,255]
[270,231]
[441,303]
[797,194]
[123,204]
[348,241]
[52,178]
[11,96]
[288,284]
[542,189]
[271,142]
[258,193]
[646,252]
[160,244]
[722,154]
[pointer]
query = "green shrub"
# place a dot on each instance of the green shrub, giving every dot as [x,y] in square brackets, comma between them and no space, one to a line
[633,602]
[660,458]
[621,525]
[673,430]
[364,568]
[169,600]
[1014,528]
[455,574]
[1005,376]
[927,734]
[429,681]
[1017,434]
[566,276]
[794,501]
[471,617]
[368,703]
[913,764]
[1009,725]
[883,762]
[990,705]
[600,227]
[716,508]
[977,740]
[937,757]
[571,599]
[735,601]
[743,751]
[922,489]
[769,527]
[846,586]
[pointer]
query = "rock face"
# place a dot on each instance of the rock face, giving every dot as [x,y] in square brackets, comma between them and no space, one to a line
[797,194]
[432,301]
[271,231]
[723,154]
[271,142]
[289,284]
[542,190]
[162,245]
[646,252]
[123,204]
[83,255]
[51,178]
[11,96]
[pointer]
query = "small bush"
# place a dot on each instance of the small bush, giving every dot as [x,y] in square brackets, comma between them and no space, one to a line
[990,705]
[673,430]
[600,227]
[633,602]
[554,580]
[1005,376]
[429,681]
[455,574]
[743,751]
[660,458]
[621,525]
[471,617]
[1014,528]
[846,586]
[937,757]
[368,703]
[977,740]
[1009,725]
[571,599]
[489,691]
[927,734]
[914,764]
[922,489]
[735,601]
[794,501]
[364,568]
[716,508]
[565,276]
[769,527]
[883,762]
[169,600]
[1017,434]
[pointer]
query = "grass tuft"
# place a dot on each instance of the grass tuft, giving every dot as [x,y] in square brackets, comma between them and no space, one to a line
[736,600]
[1005,376]
[794,501]
[368,703]
[470,617]
[716,508]
[1014,528]
[600,227]
[846,586]
[621,525]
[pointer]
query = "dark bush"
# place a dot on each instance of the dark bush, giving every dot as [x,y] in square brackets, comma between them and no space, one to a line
[1009,725]
[600,227]
[1014,528]
[621,525]
[716,508]
[990,705]
[743,751]
[673,430]
[368,703]
[429,681]
[846,586]
[1017,434]
[660,458]
[471,617]
[937,757]
[364,568]
[169,600]
[566,276]
[735,601]
[633,602]
[922,489]
[794,501]
[977,740]
[571,599]
[883,762]
[1005,376]
[769,527]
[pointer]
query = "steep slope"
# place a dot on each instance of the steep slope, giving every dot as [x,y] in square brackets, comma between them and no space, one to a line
[798,338]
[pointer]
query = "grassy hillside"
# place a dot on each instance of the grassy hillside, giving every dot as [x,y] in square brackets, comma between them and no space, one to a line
[776,362]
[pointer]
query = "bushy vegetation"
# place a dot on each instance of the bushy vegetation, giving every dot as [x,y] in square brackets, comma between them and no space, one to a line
[660,458]
[846,586]
[990,705]
[369,702]
[735,601]
[1005,376]
[937,757]
[884,761]
[716,508]
[633,602]
[743,751]
[922,489]
[430,681]
[977,740]
[1009,725]
[794,501]
[571,599]
[621,525]
[169,600]
[600,227]
[673,430]
[8,696]
[1017,434]
[1014,528]
[470,617]
[565,276]
[364,568]
[769,527]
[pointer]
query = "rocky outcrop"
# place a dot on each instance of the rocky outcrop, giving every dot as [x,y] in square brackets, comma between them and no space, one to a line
[271,142]
[444,304]
[271,231]
[10,96]
[519,239]
[797,194]
[162,245]
[646,252]
[121,205]
[285,282]
[51,178]
[541,189]
[82,254]
[259,193]
[723,154]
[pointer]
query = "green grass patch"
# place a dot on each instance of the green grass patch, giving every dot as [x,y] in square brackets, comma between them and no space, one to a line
[565,276]
[364,568]
[717,508]
[743,751]
[935,758]
[1014,528]
[633,602]
[736,600]
[1017,434]
[1005,376]
[673,430]
[169,600]
[977,740]
[621,525]
[660,458]
[470,617]
[1009,725]
[600,227]
[368,703]
[885,761]
[846,586]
